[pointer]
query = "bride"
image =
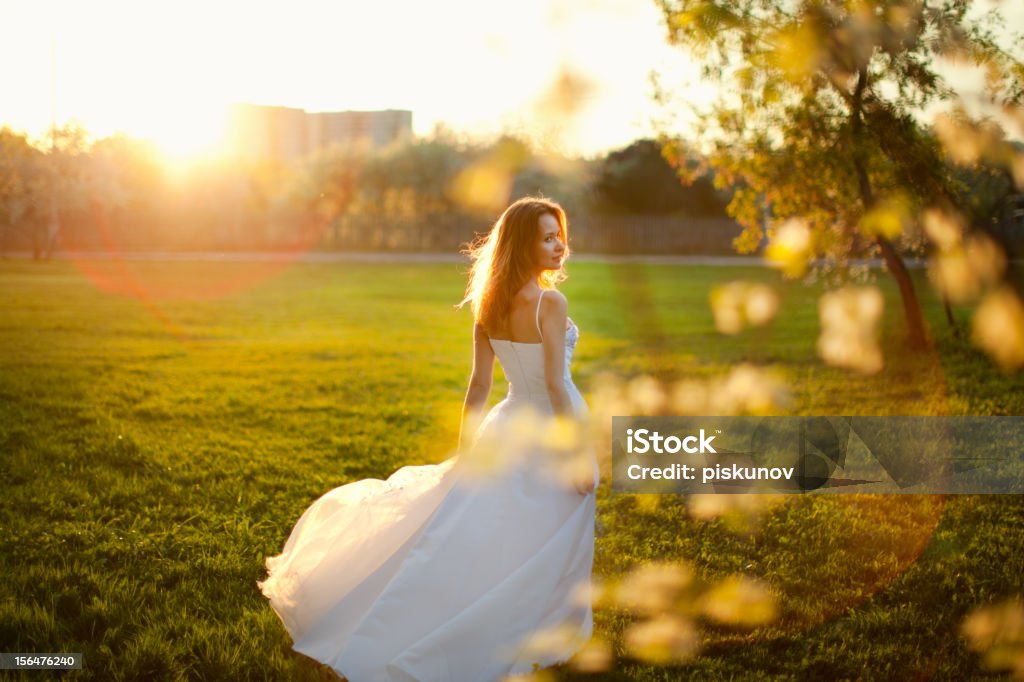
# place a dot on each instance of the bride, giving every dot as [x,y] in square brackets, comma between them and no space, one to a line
[479,567]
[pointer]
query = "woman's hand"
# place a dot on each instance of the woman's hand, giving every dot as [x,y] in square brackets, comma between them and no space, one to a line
[585,486]
[584,470]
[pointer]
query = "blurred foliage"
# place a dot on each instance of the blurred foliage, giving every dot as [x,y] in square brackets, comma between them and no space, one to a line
[638,179]
[997,633]
[118,192]
[37,187]
[819,119]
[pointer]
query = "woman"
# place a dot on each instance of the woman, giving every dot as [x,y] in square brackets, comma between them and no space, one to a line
[478,567]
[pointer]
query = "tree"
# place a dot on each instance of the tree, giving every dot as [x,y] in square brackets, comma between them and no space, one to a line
[326,184]
[22,187]
[821,121]
[67,184]
[638,179]
[987,193]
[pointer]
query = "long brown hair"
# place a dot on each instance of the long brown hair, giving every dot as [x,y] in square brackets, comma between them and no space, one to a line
[503,260]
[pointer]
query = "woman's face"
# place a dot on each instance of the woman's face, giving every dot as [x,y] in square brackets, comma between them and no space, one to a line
[550,249]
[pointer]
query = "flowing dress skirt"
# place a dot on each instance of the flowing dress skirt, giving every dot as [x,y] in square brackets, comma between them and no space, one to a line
[438,575]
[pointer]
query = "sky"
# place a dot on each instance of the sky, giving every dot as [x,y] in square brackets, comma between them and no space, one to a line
[168,71]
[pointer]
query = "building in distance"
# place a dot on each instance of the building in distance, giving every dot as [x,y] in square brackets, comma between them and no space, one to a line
[286,134]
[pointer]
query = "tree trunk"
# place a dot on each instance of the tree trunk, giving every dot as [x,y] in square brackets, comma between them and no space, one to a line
[52,230]
[911,306]
[893,260]
[949,316]
[37,241]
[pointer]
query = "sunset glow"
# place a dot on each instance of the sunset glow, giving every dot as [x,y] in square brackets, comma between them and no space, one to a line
[169,72]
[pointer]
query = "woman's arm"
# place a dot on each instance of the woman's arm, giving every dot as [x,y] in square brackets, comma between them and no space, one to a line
[479,385]
[554,315]
[554,312]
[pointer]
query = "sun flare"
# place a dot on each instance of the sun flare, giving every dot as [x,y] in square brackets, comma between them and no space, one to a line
[186,133]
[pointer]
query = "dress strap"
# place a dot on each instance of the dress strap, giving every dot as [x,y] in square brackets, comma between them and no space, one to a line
[539,299]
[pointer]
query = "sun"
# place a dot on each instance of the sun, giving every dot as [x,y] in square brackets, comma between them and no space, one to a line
[186,133]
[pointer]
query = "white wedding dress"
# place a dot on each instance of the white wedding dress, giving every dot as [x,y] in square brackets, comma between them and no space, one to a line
[438,575]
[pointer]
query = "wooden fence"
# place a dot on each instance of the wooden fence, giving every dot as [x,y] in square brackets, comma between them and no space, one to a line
[629,234]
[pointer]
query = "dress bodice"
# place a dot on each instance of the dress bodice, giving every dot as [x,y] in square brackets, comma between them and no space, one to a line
[523,365]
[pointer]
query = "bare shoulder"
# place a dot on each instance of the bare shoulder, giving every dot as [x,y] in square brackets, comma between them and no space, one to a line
[554,301]
[479,332]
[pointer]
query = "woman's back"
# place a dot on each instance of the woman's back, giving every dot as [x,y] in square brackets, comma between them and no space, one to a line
[521,325]
[523,361]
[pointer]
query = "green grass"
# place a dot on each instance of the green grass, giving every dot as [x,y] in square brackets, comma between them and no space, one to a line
[154,449]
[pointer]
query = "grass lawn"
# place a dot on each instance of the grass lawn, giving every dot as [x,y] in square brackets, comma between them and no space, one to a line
[163,425]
